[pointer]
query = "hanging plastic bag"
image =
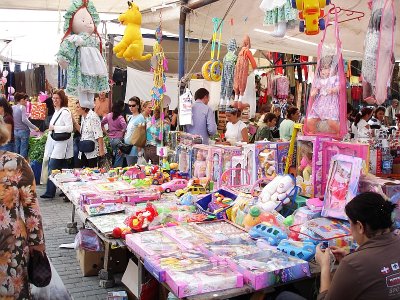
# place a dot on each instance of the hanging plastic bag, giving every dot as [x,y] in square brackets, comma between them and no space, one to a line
[379,52]
[185,108]
[326,110]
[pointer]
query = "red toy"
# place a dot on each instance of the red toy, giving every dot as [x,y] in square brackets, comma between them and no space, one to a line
[141,219]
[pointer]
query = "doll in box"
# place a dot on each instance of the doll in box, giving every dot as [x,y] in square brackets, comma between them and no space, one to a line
[267,163]
[325,93]
[200,165]
[338,187]
[305,166]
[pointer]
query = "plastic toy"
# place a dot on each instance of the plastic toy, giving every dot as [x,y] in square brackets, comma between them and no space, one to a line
[174,174]
[303,250]
[272,234]
[212,69]
[131,46]
[311,15]
[277,193]
[174,185]
[160,178]
[252,218]
[194,189]
[142,218]
[80,53]
[187,199]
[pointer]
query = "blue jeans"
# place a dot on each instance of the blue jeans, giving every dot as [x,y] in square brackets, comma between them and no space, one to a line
[21,138]
[54,164]
[117,155]
[8,147]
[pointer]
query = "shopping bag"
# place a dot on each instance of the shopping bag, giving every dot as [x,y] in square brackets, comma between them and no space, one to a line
[326,110]
[138,137]
[185,108]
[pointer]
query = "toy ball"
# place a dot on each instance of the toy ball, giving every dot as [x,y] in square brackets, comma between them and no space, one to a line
[117,232]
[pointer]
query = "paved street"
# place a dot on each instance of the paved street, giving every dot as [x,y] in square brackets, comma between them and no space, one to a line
[56,214]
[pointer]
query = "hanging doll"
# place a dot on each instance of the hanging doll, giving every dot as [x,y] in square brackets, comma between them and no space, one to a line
[242,69]
[228,72]
[325,91]
[279,13]
[79,53]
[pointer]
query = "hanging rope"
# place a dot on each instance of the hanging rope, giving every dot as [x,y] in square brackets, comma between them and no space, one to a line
[186,78]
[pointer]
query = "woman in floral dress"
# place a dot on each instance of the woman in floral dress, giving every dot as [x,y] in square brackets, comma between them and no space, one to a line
[20,222]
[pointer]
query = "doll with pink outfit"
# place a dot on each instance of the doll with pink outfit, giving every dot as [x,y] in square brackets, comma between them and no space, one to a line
[305,167]
[325,92]
[200,165]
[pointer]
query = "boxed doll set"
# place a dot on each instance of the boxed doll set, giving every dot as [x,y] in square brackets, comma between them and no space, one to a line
[331,148]
[187,235]
[309,165]
[184,156]
[269,267]
[270,158]
[215,165]
[249,153]
[200,161]
[342,185]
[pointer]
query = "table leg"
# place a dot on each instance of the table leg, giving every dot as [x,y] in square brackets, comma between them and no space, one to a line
[72,227]
[106,276]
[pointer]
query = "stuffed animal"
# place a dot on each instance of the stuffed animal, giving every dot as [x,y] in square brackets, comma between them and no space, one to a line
[228,72]
[131,46]
[277,193]
[80,53]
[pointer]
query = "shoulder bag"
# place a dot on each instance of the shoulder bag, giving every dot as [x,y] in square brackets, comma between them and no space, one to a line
[60,136]
[86,146]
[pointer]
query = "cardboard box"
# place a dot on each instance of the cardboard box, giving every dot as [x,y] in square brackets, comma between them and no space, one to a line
[91,262]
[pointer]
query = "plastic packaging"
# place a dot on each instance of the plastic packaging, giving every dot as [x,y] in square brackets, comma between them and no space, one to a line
[88,240]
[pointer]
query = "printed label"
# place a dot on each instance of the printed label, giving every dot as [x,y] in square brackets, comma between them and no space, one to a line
[393,280]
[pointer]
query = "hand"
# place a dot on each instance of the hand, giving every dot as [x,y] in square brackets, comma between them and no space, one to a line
[37,129]
[41,248]
[322,257]
[339,253]
[51,127]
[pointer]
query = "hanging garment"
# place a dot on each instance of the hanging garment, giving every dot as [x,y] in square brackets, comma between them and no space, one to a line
[228,71]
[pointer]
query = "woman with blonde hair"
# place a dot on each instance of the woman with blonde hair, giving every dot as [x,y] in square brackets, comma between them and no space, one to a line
[21,230]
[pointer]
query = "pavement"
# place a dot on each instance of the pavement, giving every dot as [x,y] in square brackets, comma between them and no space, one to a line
[56,214]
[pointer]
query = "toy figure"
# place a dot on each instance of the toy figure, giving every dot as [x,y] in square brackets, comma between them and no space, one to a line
[242,69]
[131,46]
[305,167]
[267,163]
[228,72]
[277,193]
[338,188]
[79,53]
[325,93]
[200,165]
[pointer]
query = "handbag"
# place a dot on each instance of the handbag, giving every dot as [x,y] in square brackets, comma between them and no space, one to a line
[86,146]
[138,137]
[60,136]
[124,148]
[39,270]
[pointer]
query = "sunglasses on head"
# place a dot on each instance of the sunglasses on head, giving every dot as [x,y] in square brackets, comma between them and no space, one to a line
[132,105]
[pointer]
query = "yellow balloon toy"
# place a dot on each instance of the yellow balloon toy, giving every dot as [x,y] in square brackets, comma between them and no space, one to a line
[131,46]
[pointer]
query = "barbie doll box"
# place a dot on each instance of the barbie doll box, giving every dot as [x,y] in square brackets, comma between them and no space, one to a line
[151,243]
[309,165]
[201,161]
[268,268]
[215,167]
[202,280]
[332,148]
[249,153]
[270,158]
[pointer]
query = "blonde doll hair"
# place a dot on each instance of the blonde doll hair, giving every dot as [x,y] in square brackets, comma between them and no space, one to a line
[4,133]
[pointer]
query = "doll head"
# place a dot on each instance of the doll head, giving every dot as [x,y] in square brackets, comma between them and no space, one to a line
[83,22]
[131,16]
[306,151]
[246,42]
[327,67]
[200,155]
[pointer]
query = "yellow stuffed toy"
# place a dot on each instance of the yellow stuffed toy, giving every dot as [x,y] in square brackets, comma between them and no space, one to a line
[131,46]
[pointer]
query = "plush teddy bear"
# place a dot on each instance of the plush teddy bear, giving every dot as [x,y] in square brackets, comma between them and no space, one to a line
[276,192]
[80,53]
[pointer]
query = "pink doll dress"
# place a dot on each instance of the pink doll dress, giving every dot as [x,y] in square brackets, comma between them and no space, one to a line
[325,107]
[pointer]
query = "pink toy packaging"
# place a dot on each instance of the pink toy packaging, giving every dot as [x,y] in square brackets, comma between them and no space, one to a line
[326,110]
[187,235]
[203,280]
[269,267]
[331,148]
[270,158]
[184,154]
[200,161]
[309,165]
[342,185]
[228,153]
[215,171]
[249,153]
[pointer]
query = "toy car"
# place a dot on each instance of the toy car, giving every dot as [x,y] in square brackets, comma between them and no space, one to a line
[272,234]
[179,175]
[311,15]
[159,178]
[194,189]
[173,185]
[303,250]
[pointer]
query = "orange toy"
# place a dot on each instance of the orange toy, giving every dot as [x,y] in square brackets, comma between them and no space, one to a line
[311,15]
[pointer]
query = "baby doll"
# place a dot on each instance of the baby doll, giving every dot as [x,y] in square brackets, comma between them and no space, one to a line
[79,53]
[305,168]
[338,188]
[200,166]
[325,95]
